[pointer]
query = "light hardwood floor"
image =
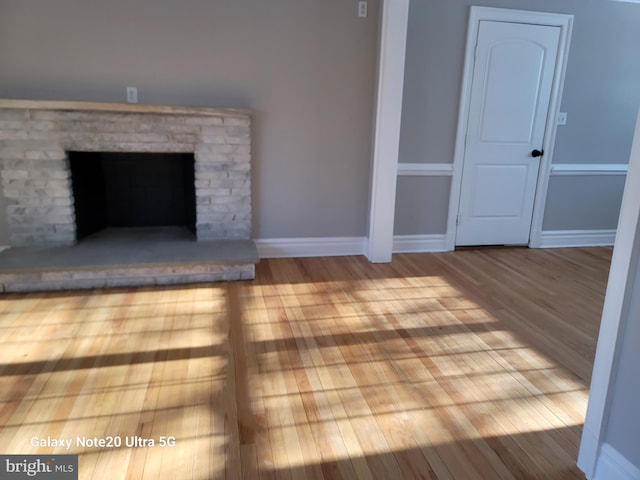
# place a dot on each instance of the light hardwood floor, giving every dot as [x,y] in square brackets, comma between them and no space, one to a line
[466,365]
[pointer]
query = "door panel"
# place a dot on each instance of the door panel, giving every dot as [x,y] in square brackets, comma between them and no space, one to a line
[510,93]
[508,114]
[504,202]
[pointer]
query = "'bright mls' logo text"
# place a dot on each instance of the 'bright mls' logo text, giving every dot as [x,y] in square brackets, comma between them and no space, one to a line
[60,467]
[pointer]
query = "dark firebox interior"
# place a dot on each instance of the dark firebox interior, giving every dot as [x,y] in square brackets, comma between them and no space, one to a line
[132,190]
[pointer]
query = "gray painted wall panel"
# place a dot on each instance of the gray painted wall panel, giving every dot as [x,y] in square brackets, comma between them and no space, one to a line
[417,205]
[601,92]
[583,202]
[4,227]
[306,68]
[433,74]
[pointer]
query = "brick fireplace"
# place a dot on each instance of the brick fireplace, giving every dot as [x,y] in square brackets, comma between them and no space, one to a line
[37,139]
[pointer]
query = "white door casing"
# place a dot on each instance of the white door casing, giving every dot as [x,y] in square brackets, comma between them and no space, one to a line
[510,93]
[386,141]
[492,205]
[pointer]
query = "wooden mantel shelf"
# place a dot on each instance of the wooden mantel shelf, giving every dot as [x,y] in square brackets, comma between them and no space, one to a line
[119,107]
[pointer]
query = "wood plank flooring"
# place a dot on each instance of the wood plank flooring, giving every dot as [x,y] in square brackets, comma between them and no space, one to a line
[466,365]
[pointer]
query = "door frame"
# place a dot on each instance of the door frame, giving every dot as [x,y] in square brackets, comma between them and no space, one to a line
[477,14]
[394,19]
[622,284]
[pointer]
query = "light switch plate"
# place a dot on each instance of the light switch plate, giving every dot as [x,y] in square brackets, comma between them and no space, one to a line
[132,95]
[362,9]
[562,118]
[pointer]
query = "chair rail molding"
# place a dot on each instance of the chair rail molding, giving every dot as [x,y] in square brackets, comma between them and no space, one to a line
[595,169]
[425,169]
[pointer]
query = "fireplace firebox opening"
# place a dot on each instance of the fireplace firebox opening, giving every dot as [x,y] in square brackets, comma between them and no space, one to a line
[115,189]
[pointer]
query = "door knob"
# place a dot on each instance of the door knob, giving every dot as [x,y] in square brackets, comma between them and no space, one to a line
[537,153]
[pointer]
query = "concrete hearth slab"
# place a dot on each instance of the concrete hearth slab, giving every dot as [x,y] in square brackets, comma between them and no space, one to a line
[127,257]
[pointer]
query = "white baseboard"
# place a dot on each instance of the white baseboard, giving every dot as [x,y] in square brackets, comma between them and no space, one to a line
[340,246]
[576,238]
[420,243]
[612,464]
[310,247]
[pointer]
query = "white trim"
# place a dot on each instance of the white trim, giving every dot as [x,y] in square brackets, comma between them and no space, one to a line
[4,247]
[572,169]
[310,247]
[565,22]
[425,169]
[612,464]
[626,252]
[386,142]
[419,243]
[576,238]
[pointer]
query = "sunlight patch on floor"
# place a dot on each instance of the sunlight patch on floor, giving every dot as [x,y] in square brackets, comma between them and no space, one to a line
[449,358]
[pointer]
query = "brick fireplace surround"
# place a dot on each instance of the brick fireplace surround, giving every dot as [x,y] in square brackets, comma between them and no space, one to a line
[35,137]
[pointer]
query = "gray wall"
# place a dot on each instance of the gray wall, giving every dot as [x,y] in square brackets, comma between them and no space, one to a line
[306,69]
[583,202]
[600,96]
[4,227]
[421,191]
[624,420]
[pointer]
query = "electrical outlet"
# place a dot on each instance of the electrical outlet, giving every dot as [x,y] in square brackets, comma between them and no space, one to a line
[362,9]
[562,118]
[132,95]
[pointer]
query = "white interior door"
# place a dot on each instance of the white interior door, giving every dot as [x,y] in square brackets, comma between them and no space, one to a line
[511,88]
